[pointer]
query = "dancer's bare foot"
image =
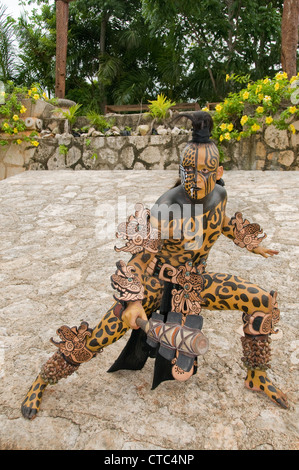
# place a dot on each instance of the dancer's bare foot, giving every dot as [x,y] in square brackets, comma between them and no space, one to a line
[32,402]
[258,381]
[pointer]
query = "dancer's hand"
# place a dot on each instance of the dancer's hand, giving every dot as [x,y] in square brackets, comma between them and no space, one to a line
[265,252]
[133,311]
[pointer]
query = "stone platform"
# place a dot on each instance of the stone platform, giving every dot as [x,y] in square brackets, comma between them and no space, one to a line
[56,260]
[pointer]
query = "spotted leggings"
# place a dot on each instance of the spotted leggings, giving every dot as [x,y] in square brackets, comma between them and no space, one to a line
[221,292]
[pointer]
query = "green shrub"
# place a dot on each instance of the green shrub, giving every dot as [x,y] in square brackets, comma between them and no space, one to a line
[71,114]
[12,109]
[159,108]
[246,112]
[99,122]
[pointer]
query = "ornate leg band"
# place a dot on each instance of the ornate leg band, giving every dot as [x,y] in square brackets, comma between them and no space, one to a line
[72,352]
[258,327]
[256,352]
[57,368]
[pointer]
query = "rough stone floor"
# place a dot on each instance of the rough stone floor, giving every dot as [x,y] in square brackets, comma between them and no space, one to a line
[56,259]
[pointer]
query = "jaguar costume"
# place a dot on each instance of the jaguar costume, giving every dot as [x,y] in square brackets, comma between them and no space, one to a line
[167,273]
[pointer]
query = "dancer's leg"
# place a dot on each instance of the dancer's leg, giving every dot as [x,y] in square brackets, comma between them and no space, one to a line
[260,314]
[62,364]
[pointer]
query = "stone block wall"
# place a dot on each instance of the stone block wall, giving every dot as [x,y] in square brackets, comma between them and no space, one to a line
[14,159]
[107,153]
[269,149]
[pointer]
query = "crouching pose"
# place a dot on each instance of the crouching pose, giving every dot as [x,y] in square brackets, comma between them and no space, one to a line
[167,273]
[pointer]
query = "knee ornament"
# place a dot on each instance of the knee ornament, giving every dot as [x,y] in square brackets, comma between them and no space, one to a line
[256,342]
[260,323]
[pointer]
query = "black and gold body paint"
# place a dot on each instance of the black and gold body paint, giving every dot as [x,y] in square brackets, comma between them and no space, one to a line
[199,171]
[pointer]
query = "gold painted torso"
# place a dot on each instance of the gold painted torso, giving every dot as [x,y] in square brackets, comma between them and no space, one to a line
[198,232]
[177,250]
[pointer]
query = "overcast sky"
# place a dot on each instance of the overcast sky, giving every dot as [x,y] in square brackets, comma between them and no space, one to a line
[13,8]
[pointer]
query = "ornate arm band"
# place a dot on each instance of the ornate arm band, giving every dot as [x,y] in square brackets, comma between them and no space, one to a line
[139,232]
[127,283]
[246,235]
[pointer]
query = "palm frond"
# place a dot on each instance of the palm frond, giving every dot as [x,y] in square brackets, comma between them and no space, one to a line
[110,68]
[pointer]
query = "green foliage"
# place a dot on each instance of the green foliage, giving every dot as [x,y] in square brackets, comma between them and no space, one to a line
[63,149]
[238,78]
[129,51]
[99,122]
[159,108]
[12,109]
[36,35]
[7,46]
[218,38]
[71,114]
[118,67]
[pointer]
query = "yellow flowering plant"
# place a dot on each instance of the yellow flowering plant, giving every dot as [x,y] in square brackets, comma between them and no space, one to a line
[11,111]
[244,113]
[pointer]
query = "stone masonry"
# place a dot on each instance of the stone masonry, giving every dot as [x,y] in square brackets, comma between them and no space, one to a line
[56,259]
[269,149]
[272,149]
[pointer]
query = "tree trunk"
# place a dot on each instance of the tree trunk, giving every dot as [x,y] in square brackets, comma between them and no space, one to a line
[289,37]
[104,23]
[62,19]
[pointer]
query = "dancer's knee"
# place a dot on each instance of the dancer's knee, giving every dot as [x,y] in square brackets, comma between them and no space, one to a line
[258,322]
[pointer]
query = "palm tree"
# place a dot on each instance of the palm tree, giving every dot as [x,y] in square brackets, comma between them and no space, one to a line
[7,45]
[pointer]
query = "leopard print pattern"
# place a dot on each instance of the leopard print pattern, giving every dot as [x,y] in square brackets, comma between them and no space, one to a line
[230,292]
[220,291]
[257,381]
[209,224]
[32,402]
[109,330]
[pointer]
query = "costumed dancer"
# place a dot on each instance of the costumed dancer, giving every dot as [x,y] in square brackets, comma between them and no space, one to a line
[168,274]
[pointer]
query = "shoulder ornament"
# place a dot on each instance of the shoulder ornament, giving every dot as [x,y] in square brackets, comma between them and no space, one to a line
[139,232]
